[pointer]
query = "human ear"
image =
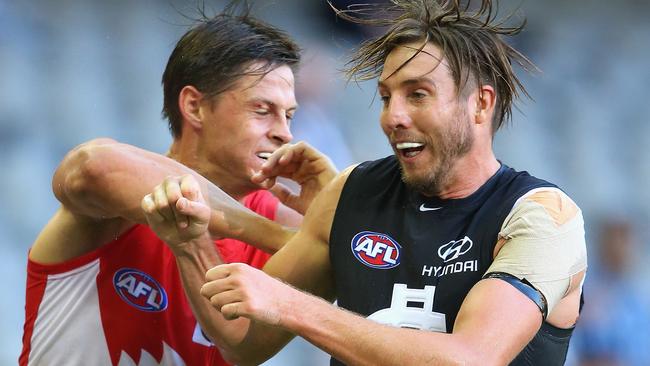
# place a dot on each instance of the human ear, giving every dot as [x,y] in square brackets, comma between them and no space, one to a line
[485,101]
[189,104]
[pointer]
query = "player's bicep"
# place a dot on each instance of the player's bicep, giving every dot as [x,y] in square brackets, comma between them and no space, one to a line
[68,235]
[304,261]
[497,321]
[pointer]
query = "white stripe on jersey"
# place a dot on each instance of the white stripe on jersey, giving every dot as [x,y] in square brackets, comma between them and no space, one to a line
[70,299]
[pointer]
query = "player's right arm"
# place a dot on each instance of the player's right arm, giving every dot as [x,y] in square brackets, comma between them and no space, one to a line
[100,185]
[84,221]
[303,262]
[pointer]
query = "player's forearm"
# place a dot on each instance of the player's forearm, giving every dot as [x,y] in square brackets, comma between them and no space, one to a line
[231,219]
[241,341]
[194,258]
[260,344]
[355,340]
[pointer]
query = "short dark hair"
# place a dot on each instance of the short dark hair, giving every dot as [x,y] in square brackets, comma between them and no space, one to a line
[470,40]
[214,54]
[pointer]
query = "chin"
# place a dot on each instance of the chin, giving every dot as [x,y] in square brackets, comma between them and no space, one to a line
[428,181]
[424,182]
[423,186]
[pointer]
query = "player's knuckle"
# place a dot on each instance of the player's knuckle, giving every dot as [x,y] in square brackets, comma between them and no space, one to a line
[158,188]
[215,301]
[232,311]
[238,267]
[236,280]
[162,204]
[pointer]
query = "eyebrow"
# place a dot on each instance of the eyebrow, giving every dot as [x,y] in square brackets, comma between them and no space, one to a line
[411,81]
[272,104]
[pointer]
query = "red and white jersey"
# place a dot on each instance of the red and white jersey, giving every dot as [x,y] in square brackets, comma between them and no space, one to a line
[123,304]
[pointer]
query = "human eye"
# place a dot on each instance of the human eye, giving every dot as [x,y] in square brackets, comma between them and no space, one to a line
[385,99]
[288,117]
[262,111]
[419,94]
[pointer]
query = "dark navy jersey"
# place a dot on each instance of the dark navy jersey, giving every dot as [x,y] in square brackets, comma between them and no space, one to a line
[408,260]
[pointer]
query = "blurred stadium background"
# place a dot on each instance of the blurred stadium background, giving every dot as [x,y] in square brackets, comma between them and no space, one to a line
[72,70]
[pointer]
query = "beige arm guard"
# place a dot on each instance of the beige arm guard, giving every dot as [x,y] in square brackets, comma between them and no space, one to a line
[544,242]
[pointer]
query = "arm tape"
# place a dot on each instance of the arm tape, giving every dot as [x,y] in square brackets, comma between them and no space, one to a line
[524,287]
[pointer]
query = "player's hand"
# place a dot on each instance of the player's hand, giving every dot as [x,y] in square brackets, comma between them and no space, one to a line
[176,210]
[239,290]
[301,163]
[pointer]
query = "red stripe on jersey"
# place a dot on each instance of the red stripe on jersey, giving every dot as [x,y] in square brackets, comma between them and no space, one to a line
[35,289]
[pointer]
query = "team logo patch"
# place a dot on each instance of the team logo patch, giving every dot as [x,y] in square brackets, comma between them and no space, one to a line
[455,249]
[376,250]
[140,290]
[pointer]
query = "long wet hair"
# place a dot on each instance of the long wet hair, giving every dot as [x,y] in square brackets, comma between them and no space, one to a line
[470,36]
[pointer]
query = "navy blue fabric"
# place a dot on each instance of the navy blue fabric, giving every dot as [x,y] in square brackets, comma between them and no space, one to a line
[445,244]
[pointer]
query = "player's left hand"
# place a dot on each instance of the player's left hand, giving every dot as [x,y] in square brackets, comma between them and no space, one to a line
[301,163]
[239,290]
[176,210]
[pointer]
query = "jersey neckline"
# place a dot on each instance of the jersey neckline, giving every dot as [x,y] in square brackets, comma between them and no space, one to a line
[426,204]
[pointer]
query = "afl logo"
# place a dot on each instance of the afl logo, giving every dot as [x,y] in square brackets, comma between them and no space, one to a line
[140,290]
[376,250]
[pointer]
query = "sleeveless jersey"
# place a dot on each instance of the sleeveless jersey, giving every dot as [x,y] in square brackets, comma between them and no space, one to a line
[407,260]
[123,303]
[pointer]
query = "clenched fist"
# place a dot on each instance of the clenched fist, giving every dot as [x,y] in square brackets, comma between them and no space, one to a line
[239,290]
[176,210]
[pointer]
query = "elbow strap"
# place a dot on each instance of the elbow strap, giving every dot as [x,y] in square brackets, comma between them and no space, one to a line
[524,287]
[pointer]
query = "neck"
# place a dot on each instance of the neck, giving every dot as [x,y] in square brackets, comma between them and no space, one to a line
[468,174]
[186,151]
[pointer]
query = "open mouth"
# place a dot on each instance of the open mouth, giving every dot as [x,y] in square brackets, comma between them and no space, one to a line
[264,155]
[409,149]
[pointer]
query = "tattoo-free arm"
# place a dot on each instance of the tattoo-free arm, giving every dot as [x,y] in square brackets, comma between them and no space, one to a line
[495,322]
[106,179]
[238,290]
[177,212]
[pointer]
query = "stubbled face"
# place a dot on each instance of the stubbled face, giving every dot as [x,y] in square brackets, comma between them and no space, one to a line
[244,125]
[426,122]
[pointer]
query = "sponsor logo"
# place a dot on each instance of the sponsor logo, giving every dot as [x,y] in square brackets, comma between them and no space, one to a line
[455,249]
[140,290]
[457,267]
[449,252]
[424,208]
[376,250]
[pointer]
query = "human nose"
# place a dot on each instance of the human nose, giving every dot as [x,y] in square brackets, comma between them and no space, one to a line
[395,114]
[280,131]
